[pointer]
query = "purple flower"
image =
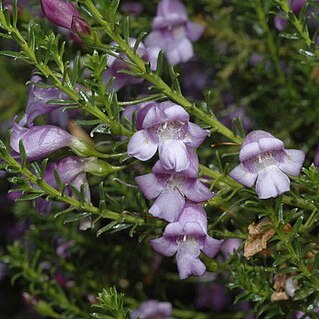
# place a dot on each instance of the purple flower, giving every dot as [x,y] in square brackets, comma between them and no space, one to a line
[187,238]
[117,63]
[173,32]
[301,315]
[40,141]
[38,100]
[152,309]
[165,126]
[171,189]
[264,160]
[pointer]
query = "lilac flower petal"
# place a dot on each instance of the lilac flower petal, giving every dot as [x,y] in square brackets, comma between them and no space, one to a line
[154,115]
[271,182]
[195,135]
[187,259]
[174,112]
[167,7]
[270,144]
[191,212]
[188,265]
[164,246]
[174,230]
[212,246]
[194,31]
[149,185]
[191,171]
[249,150]
[292,162]
[182,51]
[243,176]
[39,141]
[141,146]
[168,205]
[171,20]
[194,229]
[173,155]
[198,192]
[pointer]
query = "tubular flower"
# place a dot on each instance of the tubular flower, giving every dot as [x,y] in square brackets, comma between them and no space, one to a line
[171,189]
[187,238]
[165,126]
[173,32]
[265,161]
[40,141]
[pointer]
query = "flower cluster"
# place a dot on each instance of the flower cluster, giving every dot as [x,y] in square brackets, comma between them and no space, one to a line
[174,183]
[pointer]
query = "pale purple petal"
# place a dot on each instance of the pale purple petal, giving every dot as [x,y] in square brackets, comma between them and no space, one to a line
[191,171]
[173,155]
[270,144]
[39,141]
[194,229]
[168,205]
[243,176]
[164,246]
[212,246]
[292,162]
[249,150]
[173,230]
[153,115]
[187,260]
[142,146]
[194,30]
[181,51]
[174,112]
[150,185]
[191,212]
[271,182]
[198,192]
[195,135]
[167,7]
